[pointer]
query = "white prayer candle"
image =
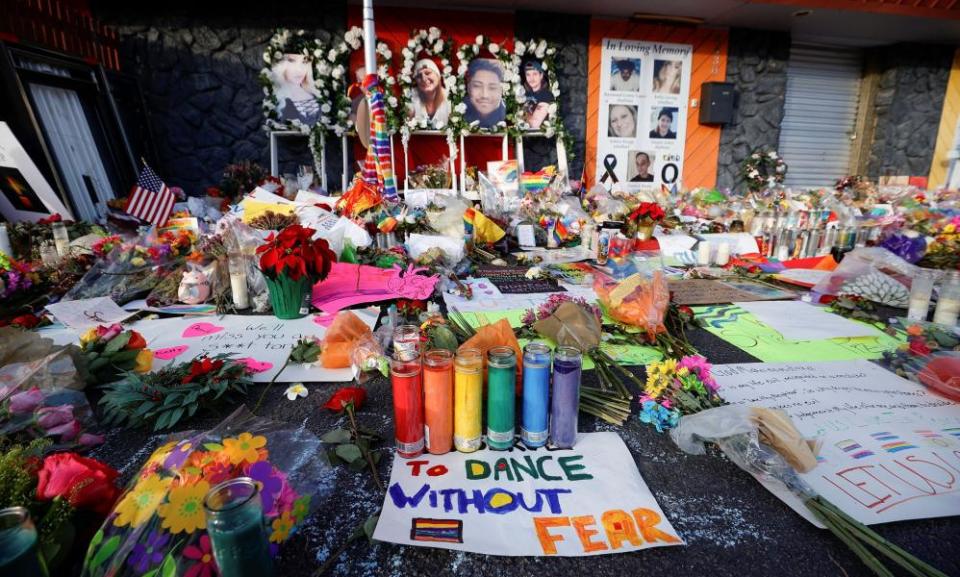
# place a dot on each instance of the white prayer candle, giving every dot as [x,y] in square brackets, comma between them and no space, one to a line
[703,253]
[238,286]
[5,241]
[921,289]
[61,239]
[948,305]
[723,254]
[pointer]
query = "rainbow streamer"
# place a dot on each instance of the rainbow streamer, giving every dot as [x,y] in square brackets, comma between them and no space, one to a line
[377,169]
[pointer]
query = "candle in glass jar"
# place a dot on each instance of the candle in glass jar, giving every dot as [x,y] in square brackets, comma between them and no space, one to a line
[536,394]
[565,405]
[406,341]
[61,239]
[405,376]
[703,253]
[5,240]
[438,400]
[468,399]
[238,536]
[18,544]
[501,397]
[921,289]
[238,281]
[948,303]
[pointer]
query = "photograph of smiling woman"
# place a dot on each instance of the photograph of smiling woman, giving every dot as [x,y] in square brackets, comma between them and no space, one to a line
[429,101]
[485,93]
[293,87]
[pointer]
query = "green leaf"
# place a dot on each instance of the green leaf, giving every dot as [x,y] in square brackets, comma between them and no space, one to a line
[358,465]
[94,543]
[336,436]
[151,573]
[175,416]
[349,452]
[117,343]
[105,552]
[370,525]
[169,567]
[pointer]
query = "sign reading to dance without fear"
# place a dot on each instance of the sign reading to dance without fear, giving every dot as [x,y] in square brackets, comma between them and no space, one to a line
[589,500]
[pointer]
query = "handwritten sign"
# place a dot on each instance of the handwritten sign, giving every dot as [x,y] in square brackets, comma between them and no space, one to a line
[696,291]
[262,342]
[891,450]
[84,314]
[589,500]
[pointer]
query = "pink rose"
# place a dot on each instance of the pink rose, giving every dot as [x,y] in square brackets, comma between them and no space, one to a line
[49,417]
[26,402]
[67,431]
[107,333]
[89,439]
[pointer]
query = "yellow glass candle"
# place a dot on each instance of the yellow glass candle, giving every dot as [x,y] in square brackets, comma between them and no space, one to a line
[468,400]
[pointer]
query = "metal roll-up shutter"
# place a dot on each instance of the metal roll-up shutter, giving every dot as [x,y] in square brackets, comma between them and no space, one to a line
[820,114]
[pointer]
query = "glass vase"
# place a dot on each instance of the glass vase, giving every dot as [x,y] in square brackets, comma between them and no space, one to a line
[18,544]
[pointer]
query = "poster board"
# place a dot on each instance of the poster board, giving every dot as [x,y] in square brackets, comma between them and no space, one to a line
[24,192]
[589,500]
[891,450]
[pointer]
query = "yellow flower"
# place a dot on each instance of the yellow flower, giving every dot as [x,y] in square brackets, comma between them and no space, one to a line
[659,376]
[139,504]
[143,362]
[243,448]
[282,526]
[184,512]
[137,261]
[950,228]
[88,337]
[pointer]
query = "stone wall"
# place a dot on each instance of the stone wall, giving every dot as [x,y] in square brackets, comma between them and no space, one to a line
[907,106]
[757,66]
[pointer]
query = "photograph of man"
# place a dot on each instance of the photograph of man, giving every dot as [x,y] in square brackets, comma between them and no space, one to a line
[537,94]
[485,93]
[663,121]
[429,100]
[293,87]
[642,164]
[666,76]
[625,75]
[623,121]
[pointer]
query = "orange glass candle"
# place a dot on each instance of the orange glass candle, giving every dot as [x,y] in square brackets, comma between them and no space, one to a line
[438,400]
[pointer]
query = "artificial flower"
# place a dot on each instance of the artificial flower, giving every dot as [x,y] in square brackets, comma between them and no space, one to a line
[243,448]
[139,504]
[184,512]
[202,553]
[919,347]
[85,483]
[296,391]
[271,482]
[282,526]
[200,367]
[145,555]
[345,395]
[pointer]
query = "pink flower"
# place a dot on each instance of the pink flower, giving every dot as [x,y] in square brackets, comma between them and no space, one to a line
[49,417]
[67,431]
[107,333]
[89,439]
[203,555]
[26,402]
[700,367]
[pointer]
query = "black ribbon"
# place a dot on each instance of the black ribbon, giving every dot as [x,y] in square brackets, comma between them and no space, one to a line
[609,163]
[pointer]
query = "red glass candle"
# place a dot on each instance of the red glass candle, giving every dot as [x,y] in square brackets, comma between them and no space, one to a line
[405,376]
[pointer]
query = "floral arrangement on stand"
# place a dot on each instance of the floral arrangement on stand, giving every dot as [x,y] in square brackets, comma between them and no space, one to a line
[108,352]
[67,496]
[291,263]
[429,43]
[163,398]
[677,387]
[482,47]
[324,77]
[353,42]
[159,524]
[763,169]
[546,53]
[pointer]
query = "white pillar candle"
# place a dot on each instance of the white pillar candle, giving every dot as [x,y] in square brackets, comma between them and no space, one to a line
[61,239]
[238,282]
[5,241]
[723,254]
[921,289]
[948,305]
[703,253]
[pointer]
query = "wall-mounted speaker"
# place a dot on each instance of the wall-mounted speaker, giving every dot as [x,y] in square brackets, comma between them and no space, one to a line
[717,101]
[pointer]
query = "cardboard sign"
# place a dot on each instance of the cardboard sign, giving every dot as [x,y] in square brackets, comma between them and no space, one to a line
[589,500]
[24,192]
[891,450]
[696,291]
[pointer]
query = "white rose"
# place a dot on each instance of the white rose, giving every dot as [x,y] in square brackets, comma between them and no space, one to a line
[519,48]
[461,107]
[387,54]
[332,55]
[521,98]
[476,49]
[337,72]
[391,81]
[407,53]
[755,156]
[277,55]
[438,46]
[533,272]
[552,109]
[325,108]
[266,57]
[411,43]
[479,39]
[753,174]
[405,78]
[494,48]
[462,69]
[549,132]
[551,51]
[434,32]
[392,101]
[542,46]
[556,92]
[317,53]
[772,155]
[447,69]
[382,70]
[539,53]
[449,82]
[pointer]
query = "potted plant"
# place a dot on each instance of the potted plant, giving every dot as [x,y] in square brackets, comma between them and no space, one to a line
[644,218]
[292,262]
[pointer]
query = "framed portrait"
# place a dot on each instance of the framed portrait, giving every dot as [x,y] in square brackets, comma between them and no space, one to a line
[640,165]
[535,87]
[625,74]
[664,121]
[484,94]
[297,98]
[535,79]
[295,86]
[426,81]
[622,121]
[666,76]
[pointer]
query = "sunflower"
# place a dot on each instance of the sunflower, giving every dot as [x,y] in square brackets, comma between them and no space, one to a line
[138,505]
[659,376]
[243,448]
[282,526]
[184,512]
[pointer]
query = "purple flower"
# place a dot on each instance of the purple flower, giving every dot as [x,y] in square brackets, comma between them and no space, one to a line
[67,431]
[26,402]
[49,417]
[178,456]
[910,249]
[146,555]
[271,484]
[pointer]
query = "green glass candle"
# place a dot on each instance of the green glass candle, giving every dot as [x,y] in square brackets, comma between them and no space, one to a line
[237,532]
[501,397]
[18,544]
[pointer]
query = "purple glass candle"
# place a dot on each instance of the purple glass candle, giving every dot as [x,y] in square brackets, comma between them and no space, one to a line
[565,403]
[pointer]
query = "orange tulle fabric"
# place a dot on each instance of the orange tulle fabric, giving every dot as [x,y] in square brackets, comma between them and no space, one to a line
[340,339]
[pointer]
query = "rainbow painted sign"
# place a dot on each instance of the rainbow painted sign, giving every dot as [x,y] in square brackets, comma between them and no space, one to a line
[589,500]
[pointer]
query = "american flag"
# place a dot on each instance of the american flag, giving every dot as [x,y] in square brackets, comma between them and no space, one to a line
[150,199]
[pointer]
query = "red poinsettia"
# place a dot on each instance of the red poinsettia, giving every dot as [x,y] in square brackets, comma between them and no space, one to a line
[339,400]
[294,253]
[201,367]
[647,211]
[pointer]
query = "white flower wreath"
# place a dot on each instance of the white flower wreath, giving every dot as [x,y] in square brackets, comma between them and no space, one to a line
[431,43]
[287,42]
[546,54]
[465,54]
[763,169]
[339,58]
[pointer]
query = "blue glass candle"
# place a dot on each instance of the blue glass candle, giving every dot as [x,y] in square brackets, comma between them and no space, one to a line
[18,544]
[536,394]
[567,364]
[237,532]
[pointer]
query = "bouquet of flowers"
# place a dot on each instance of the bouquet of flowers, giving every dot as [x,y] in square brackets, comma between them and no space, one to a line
[26,237]
[930,356]
[943,251]
[163,398]
[66,495]
[241,178]
[108,352]
[159,525]
[676,388]
[292,262]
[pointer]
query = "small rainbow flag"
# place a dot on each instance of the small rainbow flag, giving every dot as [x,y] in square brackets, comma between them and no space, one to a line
[955,431]
[884,436]
[854,449]
[928,434]
[442,530]
[897,446]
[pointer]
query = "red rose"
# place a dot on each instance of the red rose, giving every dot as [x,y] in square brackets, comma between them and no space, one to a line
[136,341]
[919,347]
[354,395]
[27,321]
[85,483]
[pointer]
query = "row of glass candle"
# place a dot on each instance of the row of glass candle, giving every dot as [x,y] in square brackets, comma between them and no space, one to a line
[948,300]
[805,234]
[234,522]
[438,398]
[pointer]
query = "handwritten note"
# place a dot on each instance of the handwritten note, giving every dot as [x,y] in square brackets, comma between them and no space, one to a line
[891,450]
[589,500]
[84,314]
[697,291]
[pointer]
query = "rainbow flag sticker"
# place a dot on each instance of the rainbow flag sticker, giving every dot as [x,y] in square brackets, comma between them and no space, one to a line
[884,436]
[853,449]
[442,530]
[897,446]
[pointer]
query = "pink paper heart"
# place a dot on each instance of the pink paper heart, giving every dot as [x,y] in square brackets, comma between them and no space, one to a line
[255,366]
[324,320]
[201,330]
[170,352]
